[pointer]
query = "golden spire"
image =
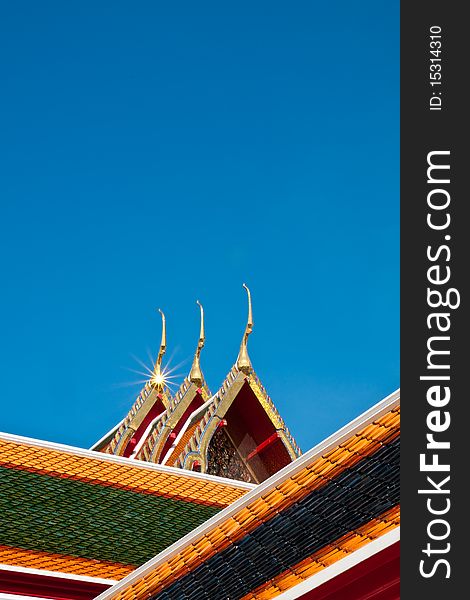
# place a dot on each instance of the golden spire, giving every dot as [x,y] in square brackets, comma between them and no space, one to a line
[158,378]
[196,374]
[243,360]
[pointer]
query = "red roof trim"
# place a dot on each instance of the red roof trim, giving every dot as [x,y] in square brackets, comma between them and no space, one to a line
[48,586]
[376,578]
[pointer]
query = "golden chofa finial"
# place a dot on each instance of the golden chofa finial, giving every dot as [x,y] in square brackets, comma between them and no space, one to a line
[158,377]
[196,374]
[243,360]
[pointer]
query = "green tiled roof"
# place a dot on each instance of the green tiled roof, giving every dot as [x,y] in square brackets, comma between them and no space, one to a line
[58,515]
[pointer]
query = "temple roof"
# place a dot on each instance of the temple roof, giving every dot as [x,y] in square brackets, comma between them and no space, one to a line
[320,510]
[236,433]
[164,506]
[81,512]
[157,440]
[261,425]
[151,404]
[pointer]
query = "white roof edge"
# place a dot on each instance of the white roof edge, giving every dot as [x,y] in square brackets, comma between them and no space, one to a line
[342,565]
[332,441]
[201,409]
[124,461]
[57,574]
[145,435]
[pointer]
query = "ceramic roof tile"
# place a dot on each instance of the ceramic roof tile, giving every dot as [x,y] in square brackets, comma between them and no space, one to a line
[87,513]
[131,475]
[337,502]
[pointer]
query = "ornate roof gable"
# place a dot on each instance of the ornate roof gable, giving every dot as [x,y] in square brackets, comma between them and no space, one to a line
[236,433]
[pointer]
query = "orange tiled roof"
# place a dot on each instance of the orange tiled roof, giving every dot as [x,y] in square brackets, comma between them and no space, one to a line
[19,557]
[77,511]
[131,475]
[352,487]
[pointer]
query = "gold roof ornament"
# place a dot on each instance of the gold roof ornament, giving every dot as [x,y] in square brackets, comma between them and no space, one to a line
[196,374]
[243,360]
[158,378]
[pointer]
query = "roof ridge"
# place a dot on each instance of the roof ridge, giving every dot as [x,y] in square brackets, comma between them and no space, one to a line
[130,462]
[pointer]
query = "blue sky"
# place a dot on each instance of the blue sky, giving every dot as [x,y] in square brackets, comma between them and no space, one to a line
[153,153]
